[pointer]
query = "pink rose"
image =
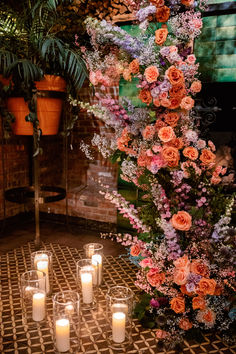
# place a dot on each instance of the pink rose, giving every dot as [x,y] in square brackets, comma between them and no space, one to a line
[191,59]
[147,262]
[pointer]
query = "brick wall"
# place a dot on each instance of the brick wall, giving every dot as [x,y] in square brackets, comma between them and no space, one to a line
[81,175]
[84,199]
[14,171]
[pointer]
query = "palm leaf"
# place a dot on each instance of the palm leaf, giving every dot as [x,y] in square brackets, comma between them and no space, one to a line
[75,67]
[25,70]
[6,59]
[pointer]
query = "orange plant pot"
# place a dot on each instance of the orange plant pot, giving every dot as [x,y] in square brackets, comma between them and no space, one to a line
[48,109]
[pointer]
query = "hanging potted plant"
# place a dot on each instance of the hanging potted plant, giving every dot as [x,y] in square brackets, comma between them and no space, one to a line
[43,64]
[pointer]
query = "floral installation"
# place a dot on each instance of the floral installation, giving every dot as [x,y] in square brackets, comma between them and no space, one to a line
[183,243]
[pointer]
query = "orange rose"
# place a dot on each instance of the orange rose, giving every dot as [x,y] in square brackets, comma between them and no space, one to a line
[182,262]
[134,66]
[207,286]
[191,152]
[181,221]
[171,155]
[148,132]
[162,14]
[207,157]
[161,35]
[177,304]
[174,102]
[157,3]
[178,90]
[177,143]
[166,134]
[175,75]
[171,118]
[135,250]
[151,74]
[180,276]
[155,278]
[145,96]
[185,324]
[200,268]
[165,102]
[196,86]
[187,103]
[199,302]
[187,2]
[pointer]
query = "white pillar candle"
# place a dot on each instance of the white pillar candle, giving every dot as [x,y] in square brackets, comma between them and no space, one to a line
[40,257]
[38,312]
[119,308]
[118,327]
[87,287]
[63,335]
[42,266]
[97,261]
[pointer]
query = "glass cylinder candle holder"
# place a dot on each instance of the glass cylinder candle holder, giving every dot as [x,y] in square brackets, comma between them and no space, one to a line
[119,308]
[33,296]
[42,261]
[94,251]
[87,281]
[66,320]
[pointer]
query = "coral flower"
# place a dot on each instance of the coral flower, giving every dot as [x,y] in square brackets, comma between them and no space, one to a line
[174,102]
[127,75]
[185,324]
[145,96]
[207,157]
[181,221]
[166,134]
[161,35]
[171,155]
[177,143]
[175,75]
[134,66]
[135,250]
[199,302]
[163,14]
[155,278]
[180,276]
[196,86]
[178,90]
[191,152]
[160,334]
[199,267]
[148,132]
[182,262]
[187,103]
[151,74]
[207,286]
[171,118]
[177,304]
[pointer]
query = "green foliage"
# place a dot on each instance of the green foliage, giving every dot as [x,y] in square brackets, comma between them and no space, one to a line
[32,45]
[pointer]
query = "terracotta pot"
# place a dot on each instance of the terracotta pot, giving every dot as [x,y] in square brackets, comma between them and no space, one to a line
[49,107]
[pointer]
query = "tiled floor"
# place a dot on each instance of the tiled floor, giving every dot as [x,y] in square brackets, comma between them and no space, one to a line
[20,233]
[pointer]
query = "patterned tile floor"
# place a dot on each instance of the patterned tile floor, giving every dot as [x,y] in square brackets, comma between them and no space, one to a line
[18,338]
